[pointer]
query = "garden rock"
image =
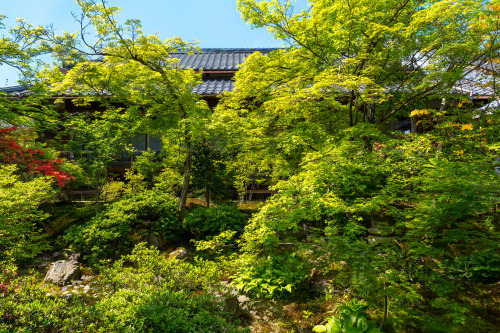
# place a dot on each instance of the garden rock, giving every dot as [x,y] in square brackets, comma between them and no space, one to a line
[87,278]
[179,253]
[381,231]
[376,239]
[320,286]
[63,271]
[150,238]
[232,301]
[380,234]
[157,241]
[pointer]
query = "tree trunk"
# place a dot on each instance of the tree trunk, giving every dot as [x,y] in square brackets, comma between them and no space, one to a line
[97,194]
[385,314]
[99,189]
[351,99]
[187,178]
[371,113]
[356,110]
[413,124]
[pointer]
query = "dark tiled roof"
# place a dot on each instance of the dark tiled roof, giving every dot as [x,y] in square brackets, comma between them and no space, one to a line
[489,67]
[472,88]
[14,90]
[216,59]
[209,59]
[214,86]
[475,83]
[207,87]
[493,105]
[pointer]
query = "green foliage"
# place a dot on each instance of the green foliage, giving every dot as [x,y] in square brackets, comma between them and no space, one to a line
[273,277]
[215,245]
[148,165]
[349,62]
[335,187]
[26,308]
[351,318]
[142,174]
[168,180]
[481,266]
[135,71]
[135,182]
[164,295]
[97,143]
[210,174]
[19,211]
[311,118]
[204,222]
[109,233]
[427,202]
[163,312]
[112,191]
[157,294]
[151,269]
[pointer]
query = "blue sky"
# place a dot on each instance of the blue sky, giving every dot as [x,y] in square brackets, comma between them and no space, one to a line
[214,23]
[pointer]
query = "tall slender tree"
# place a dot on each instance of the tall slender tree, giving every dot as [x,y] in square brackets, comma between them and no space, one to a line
[348,62]
[121,66]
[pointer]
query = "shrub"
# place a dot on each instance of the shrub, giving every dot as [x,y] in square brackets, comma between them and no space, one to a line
[272,277]
[169,180]
[158,294]
[27,308]
[481,266]
[19,211]
[210,173]
[351,318]
[161,311]
[204,222]
[109,233]
[31,162]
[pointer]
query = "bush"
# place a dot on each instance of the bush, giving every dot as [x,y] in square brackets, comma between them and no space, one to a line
[109,233]
[162,295]
[351,318]
[156,295]
[26,308]
[204,222]
[160,311]
[19,210]
[481,266]
[272,277]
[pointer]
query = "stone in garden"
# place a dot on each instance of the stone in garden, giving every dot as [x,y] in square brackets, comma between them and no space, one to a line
[157,241]
[380,234]
[376,239]
[62,271]
[319,286]
[179,253]
[381,231]
[87,278]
